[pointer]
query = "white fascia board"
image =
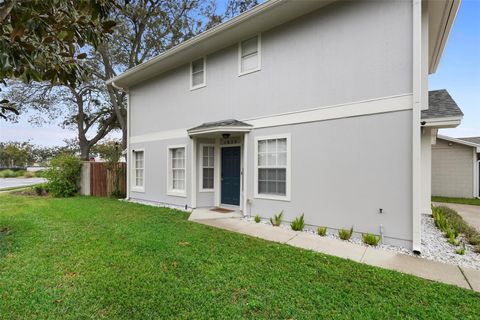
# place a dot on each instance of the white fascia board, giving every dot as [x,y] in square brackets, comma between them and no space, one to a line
[219,129]
[459,141]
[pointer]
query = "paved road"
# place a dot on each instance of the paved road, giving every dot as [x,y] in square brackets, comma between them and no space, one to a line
[19,182]
[471,214]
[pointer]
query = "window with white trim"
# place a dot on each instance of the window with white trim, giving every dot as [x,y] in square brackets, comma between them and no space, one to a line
[177,169]
[197,73]
[208,166]
[272,167]
[139,164]
[249,55]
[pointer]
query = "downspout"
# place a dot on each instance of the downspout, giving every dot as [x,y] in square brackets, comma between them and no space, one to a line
[416,119]
[127,151]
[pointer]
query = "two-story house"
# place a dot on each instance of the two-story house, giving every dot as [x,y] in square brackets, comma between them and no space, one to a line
[308,107]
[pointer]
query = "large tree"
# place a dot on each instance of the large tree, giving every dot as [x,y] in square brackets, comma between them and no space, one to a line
[40,39]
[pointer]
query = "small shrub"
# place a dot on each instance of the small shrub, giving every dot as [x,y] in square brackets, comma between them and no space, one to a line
[476,249]
[474,240]
[460,251]
[29,174]
[257,219]
[39,189]
[451,233]
[371,239]
[63,175]
[345,234]
[8,174]
[322,231]
[298,224]
[277,219]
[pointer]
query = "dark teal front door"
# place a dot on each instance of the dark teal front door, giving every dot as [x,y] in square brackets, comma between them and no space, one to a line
[231,175]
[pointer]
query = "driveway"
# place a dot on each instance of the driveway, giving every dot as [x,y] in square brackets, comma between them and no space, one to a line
[471,214]
[19,182]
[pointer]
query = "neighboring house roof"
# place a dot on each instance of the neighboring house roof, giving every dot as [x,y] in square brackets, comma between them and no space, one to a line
[264,17]
[472,139]
[460,141]
[441,105]
[230,125]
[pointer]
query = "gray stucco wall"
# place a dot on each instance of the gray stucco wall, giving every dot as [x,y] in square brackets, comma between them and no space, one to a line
[344,171]
[156,164]
[348,51]
[452,170]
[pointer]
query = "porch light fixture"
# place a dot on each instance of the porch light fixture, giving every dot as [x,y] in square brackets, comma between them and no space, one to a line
[226,135]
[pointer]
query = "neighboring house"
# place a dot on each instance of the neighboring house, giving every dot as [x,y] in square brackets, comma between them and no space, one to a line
[455,167]
[303,106]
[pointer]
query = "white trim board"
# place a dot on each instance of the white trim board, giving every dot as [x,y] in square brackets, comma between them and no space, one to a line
[339,111]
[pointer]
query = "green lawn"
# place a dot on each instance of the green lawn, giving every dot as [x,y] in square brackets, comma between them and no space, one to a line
[475,202]
[82,258]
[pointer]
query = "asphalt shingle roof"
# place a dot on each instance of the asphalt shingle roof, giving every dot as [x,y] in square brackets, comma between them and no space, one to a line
[223,123]
[441,105]
[471,139]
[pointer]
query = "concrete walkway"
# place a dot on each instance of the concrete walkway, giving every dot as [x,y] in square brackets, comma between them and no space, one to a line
[470,213]
[432,270]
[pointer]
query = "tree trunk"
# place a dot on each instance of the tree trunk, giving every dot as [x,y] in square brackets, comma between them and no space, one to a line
[84,151]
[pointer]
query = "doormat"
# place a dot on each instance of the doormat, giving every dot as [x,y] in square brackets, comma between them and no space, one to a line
[222,210]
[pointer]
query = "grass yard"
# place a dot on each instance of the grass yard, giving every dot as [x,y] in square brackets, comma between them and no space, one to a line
[475,202]
[86,257]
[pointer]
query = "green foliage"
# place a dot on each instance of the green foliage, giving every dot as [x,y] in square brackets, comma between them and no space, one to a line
[370,239]
[460,251]
[449,221]
[257,218]
[277,219]
[298,224]
[99,258]
[322,231]
[345,234]
[474,202]
[40,189]
[63,175]
[10,173]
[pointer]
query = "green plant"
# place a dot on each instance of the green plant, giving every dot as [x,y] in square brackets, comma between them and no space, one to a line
[322,231]
[29,174]
[63,175]
[460,251]
[345,234]
[10,173]
[371,239]
[39,189]
[451,233]
[257,218]
[452,240]
[277,219]
[446,218]
[298,224]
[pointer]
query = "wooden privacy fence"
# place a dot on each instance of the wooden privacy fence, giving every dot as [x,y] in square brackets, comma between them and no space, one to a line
[106,179]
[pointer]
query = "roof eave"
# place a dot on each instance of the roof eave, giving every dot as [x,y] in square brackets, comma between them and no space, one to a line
[225,129]
[459,141]
[451,9]
[446,122]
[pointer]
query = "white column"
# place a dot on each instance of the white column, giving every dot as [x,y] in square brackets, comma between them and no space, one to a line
[128,154]
[217,183]
[416,118]
[193,177]
[245,174]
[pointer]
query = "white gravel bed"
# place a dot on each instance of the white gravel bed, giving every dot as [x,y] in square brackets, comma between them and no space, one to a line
[434,245]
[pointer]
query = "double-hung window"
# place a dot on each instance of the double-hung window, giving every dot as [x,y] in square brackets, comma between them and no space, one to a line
[177,162]
[198,77]
[273,167]
[249,55]
[138,170]
[208,165]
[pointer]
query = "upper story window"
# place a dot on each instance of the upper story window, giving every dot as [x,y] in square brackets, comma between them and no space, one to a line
[139,170]
[198,77]
[272,170]
[249,55]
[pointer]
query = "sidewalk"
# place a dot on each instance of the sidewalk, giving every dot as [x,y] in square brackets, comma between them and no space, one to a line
[431,270]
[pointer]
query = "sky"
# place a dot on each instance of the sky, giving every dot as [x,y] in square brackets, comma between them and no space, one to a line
[458,72]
